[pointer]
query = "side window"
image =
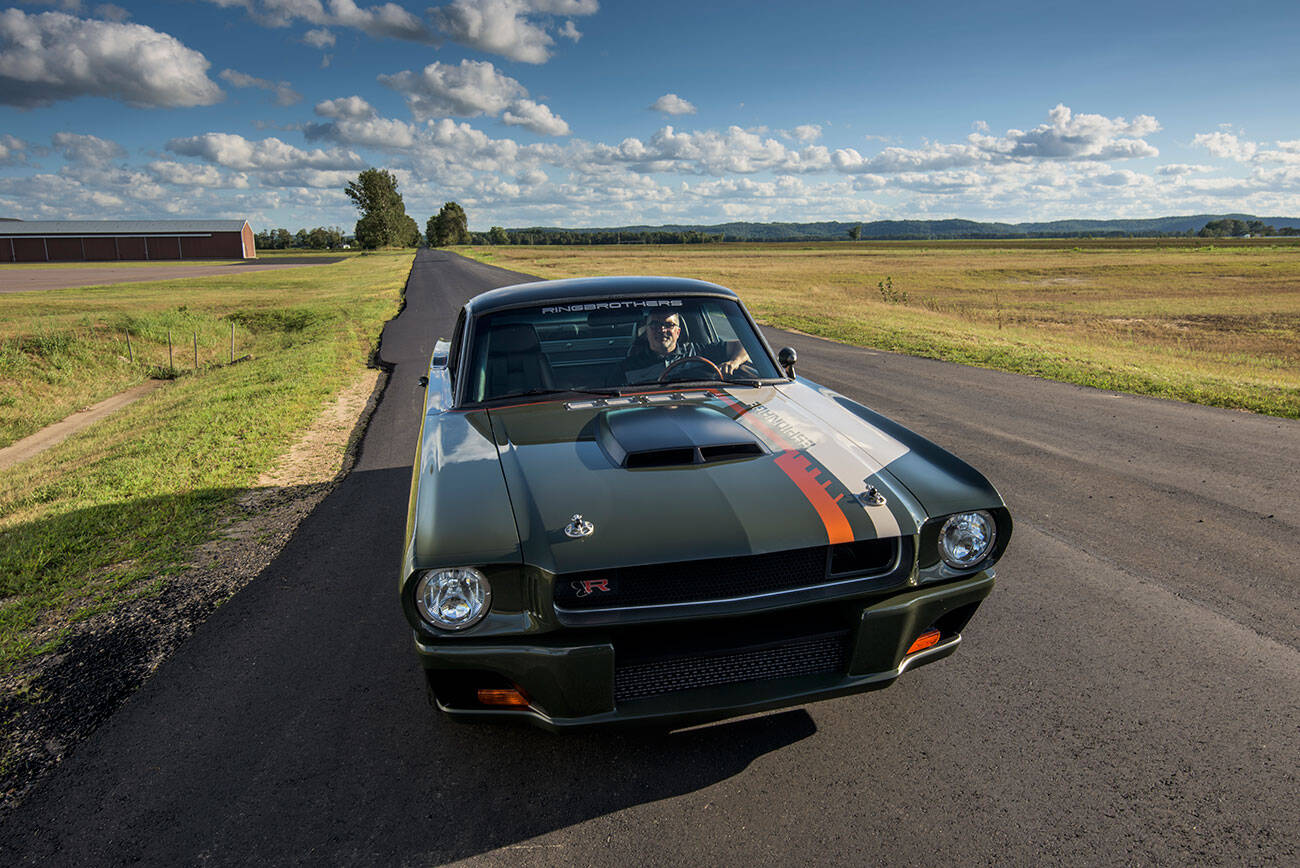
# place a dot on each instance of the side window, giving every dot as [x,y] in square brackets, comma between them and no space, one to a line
[457,341]
[722,326]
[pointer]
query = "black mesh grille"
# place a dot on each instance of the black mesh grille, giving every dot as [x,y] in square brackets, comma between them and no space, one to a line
[714,579]
[806,655]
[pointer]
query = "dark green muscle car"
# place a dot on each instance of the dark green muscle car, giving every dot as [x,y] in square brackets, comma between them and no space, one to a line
[626,508]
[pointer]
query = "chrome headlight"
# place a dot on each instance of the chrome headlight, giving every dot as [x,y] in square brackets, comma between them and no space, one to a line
[453,599]
[966,539]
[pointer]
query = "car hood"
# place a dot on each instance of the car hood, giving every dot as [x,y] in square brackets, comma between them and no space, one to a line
[696,474]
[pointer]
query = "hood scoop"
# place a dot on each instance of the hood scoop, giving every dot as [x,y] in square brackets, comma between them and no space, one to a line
[673,436]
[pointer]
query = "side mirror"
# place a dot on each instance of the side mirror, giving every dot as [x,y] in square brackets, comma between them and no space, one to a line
[424,382]
[787,357]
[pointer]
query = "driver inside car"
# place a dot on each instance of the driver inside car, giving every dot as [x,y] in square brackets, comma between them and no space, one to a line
[659,347]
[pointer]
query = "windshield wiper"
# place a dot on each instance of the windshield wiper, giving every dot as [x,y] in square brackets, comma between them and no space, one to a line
[530,393]
[745,381]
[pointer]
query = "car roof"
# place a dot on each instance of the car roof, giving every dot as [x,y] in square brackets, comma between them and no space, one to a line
[590,289]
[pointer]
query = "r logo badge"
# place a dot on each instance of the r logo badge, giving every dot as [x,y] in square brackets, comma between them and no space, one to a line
[587,587]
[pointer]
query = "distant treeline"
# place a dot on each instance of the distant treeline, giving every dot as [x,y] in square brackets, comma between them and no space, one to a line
[1229,228]
[320,238]
[1204,225]
[538,235]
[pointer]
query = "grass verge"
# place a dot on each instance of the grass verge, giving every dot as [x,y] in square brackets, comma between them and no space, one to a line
[1215,324]
[111,512]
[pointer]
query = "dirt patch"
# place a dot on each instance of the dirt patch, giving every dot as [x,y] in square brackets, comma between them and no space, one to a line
[52,435]
[51,703]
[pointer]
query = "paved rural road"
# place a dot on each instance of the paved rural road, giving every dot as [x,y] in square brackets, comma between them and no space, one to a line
[27,279]
[1129,694]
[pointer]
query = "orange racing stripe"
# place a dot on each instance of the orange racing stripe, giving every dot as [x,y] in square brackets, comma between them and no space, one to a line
[801,472]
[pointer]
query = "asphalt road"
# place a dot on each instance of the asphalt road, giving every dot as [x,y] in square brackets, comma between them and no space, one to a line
[32,278]
[1130,694]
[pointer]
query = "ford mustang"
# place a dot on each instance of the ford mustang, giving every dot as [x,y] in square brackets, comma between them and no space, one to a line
[625,507]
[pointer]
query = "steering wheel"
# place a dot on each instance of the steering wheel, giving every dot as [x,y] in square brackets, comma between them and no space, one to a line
[687,360]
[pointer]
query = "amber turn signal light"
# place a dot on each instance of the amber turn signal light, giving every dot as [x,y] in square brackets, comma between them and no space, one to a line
[510,697]
[928,639]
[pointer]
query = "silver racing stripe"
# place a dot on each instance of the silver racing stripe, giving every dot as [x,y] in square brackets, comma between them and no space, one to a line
[849,462]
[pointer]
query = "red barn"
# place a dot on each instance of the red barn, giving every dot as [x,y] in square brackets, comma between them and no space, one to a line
[99,240]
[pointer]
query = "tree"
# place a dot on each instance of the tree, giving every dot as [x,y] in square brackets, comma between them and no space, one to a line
[448,226]
[497,235]
[410,232]
[383,214]
[855,233]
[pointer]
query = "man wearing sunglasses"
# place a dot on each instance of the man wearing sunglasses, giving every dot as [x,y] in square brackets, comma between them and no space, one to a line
[662,347]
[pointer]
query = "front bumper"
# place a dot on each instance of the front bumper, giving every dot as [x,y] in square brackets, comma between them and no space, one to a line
[572,684]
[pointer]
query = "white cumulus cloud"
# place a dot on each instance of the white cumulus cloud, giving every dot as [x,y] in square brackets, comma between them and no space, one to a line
[54,56]
[284,92]
[470,89]
[191,175]
[536,117]
[806,133]
[236,152]
[319,38]
[87,149]
[352,108]
[385,134]
[515,29]
[570,31]
[12,149]
[381,20]
[1070,136]
[1178,170]
[672,104]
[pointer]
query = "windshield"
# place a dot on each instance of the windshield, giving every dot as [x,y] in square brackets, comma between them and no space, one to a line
[613,344]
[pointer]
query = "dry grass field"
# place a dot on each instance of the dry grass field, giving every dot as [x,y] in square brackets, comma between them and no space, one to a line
[1215,324]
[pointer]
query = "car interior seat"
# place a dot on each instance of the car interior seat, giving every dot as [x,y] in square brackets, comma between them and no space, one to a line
[515,362]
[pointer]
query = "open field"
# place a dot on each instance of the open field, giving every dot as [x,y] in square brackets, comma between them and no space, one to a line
[1215,324]
[111,511]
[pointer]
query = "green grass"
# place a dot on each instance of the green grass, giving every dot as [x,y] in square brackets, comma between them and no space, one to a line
[105,515]
[62,350]
[1215,324]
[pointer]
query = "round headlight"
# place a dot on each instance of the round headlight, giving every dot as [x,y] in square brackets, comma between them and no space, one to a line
[453,599]
[966,539]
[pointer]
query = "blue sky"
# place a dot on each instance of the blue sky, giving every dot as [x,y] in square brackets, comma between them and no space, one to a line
[601,113]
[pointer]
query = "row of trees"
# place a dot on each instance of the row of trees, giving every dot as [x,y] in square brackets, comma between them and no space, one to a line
[1229,228]
[385,223]
[497,235]
[320,238]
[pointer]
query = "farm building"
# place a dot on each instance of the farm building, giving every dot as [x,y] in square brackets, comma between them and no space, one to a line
[99,240]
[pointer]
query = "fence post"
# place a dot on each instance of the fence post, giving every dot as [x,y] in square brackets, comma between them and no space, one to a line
[171,366]
[130,353]
[196,352]
[232,342]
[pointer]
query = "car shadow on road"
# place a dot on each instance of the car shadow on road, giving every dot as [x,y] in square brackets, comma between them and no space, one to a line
[540,782]
[294,721]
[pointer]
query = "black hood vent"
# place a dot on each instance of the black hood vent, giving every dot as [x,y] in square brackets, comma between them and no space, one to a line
[674,436]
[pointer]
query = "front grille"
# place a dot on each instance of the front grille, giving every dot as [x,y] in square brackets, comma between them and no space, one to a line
[805,655]
[721,578]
